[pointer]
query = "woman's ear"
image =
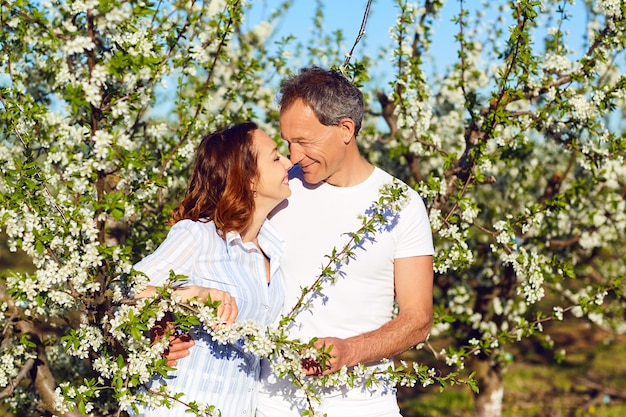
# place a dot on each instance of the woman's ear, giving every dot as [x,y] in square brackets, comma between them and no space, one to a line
[347,129]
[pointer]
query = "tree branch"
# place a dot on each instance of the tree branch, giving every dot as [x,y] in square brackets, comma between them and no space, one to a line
[26,368]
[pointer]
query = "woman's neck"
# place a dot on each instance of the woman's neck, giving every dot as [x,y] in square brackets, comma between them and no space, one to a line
[251,233]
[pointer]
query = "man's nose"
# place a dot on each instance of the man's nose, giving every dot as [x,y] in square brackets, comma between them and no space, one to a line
[295,154]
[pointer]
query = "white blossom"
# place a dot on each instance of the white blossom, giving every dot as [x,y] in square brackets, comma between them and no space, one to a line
[611,8]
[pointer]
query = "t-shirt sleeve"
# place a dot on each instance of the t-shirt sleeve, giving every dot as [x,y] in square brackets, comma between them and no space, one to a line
[178,252]
[415,237]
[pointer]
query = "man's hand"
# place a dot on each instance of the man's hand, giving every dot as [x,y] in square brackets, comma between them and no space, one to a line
[179,343]
[342,354]
[179,348]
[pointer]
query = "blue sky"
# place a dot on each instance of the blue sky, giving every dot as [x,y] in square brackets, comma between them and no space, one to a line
[347,15]
[338,14]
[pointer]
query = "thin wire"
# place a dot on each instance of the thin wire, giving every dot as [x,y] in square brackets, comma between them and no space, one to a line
[361,33]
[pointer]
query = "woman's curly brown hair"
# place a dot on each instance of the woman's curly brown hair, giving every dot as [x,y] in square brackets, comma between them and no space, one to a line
[219,188]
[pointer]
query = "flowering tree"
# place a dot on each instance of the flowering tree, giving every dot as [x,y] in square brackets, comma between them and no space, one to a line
[90,171]
[518,147]
[517,150]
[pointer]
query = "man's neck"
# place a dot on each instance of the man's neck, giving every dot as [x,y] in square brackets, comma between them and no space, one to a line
[351,173]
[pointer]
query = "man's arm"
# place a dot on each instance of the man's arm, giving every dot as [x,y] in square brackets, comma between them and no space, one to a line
[413,279]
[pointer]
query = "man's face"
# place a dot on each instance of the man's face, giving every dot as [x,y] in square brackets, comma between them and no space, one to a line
[318,149]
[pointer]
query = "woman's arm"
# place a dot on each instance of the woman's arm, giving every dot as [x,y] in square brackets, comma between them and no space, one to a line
[227,311]
[180,345]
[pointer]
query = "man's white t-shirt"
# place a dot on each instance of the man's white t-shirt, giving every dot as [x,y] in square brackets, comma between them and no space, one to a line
[313,221]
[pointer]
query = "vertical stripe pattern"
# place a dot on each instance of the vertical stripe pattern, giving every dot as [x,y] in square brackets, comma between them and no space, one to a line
[222,375]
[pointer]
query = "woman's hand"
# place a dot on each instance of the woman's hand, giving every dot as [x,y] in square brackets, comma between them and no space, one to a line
[180,345]
[227,311]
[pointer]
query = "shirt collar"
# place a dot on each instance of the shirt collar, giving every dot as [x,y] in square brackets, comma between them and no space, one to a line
[269,240]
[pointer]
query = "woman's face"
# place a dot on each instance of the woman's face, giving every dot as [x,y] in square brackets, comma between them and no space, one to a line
[272,186]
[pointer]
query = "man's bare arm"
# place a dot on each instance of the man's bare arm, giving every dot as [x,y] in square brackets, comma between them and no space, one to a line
[413,278]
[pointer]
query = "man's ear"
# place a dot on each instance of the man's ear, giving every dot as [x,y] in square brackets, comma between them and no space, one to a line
[347,129]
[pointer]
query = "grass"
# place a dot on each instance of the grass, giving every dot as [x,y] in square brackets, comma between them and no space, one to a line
[591,381]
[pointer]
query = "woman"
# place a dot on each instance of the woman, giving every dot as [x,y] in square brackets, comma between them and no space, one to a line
[223,242]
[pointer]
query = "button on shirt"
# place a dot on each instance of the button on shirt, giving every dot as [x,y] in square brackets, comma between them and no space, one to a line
[222,375]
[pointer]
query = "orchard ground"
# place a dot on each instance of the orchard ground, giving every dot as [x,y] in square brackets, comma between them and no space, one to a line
[590,381]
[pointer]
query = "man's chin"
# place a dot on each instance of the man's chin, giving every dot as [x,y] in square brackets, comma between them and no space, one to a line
[312,179]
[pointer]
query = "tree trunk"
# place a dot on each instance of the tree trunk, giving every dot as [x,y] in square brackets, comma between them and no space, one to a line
[41,375]
[488,401]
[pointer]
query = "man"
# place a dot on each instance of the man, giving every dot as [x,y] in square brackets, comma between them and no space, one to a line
[332,185]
